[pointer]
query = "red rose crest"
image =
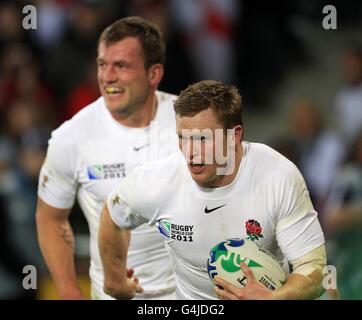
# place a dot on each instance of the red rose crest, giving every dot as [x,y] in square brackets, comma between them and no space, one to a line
[253,230]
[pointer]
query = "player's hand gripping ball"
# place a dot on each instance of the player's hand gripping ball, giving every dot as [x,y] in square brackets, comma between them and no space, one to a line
[225,259]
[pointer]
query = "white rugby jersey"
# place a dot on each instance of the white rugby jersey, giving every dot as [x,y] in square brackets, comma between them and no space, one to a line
[268,193]
[88,156]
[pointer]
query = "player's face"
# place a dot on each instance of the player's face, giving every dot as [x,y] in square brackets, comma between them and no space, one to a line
[201,138]
[122,77]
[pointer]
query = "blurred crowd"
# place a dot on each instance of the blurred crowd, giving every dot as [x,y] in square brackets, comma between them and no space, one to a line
[49,74]
[330,160]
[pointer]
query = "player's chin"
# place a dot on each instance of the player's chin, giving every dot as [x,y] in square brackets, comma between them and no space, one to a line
[116,105]
[201,175]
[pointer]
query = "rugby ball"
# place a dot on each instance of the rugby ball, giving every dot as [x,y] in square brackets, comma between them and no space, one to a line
[225,259]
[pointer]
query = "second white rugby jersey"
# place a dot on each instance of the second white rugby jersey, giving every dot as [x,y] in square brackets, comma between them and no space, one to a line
[88,156]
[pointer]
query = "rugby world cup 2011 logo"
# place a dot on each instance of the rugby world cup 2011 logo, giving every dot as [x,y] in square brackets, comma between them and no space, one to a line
[95,172]
[164,227]
[106,171]
[173,231]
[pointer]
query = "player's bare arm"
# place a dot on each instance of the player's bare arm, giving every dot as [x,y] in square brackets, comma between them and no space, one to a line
[113,246]
[56,242]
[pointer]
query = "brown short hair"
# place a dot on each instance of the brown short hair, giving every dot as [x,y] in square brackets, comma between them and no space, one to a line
[223,99]
[147,33]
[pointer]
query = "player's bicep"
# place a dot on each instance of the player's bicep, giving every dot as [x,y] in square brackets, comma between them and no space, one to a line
[109,228]
[53,223]
[45,211]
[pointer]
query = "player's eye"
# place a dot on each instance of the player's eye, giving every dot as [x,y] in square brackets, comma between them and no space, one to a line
[120,65]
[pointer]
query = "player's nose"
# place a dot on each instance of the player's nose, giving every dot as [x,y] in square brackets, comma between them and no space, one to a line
[109,75]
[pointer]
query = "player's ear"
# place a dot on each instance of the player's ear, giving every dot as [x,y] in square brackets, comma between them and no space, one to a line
[155,74]
[237,137]
[239,133]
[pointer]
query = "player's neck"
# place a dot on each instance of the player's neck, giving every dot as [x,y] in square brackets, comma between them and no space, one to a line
[228,179]
[142,116]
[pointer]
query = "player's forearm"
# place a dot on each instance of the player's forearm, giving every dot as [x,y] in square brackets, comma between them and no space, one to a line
[300,287]
[56,242]
[113,247]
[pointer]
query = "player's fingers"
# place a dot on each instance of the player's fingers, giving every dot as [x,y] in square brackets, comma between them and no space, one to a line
[227,286]
[139,289]
[224,295]
[136,286]
[247,271]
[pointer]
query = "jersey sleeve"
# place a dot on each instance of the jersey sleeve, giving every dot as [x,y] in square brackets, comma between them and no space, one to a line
[58,178]
[298,230]
[125,204]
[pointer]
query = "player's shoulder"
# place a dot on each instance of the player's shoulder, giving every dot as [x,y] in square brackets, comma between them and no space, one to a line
[165,98]
[270,161]
[165,117]
[158,174]
[77,127]
[166,102]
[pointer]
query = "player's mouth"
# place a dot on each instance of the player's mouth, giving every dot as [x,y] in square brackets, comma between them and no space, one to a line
[113,91]
[197,168]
